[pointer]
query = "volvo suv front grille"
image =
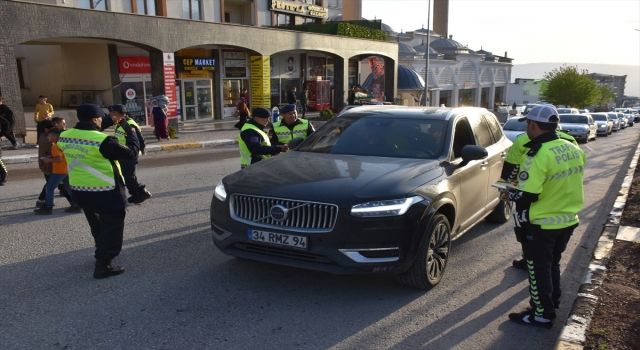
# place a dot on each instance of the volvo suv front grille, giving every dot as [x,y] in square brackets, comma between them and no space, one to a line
[291,215]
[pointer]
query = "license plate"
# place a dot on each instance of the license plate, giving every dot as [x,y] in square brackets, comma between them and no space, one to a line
[281,239]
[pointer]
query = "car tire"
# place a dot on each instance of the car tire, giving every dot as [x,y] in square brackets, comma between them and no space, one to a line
[433,253]
[501,213]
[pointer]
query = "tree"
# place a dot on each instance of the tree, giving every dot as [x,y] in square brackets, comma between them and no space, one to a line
[606,95]
[570,87]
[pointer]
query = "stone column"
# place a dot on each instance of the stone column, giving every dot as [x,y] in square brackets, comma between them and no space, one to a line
[340,81]
[10,88]
[114,69]
[455,95]
[435,98]
[492,96]
[478,96]
[218,103]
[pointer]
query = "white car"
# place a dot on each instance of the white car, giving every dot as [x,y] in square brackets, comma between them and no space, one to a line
[581,126]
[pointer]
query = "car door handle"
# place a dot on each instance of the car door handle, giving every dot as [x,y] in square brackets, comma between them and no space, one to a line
[484,164]
[503,155]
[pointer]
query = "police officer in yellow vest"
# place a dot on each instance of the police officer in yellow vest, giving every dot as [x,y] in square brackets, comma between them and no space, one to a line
[137,190]
[511,166]
[96,181]
[290,126]
[254,142]
[549,196]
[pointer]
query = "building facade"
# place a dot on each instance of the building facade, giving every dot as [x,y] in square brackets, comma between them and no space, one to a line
[614,82]
[201,54]
[524,91]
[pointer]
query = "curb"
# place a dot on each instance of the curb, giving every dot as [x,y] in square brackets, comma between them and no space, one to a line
[573,335]
[33,158]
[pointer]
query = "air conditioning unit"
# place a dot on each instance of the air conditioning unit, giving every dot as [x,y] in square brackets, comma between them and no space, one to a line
[87,99]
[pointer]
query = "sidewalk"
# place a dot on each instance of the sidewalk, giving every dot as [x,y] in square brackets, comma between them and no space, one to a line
[204,134]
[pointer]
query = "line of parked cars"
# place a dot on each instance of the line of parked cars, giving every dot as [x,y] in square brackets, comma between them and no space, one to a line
[582,124]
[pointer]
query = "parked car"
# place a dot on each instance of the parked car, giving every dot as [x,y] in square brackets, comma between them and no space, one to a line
[622,123]
[567,111]
[605,125]
[581,126]
[628,118]
[373,191]
[583,111]
[513,128]
[528,108]
[617,123]
[631,117]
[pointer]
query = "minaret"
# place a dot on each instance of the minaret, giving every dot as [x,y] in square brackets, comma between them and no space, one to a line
[441,17]
[352,10]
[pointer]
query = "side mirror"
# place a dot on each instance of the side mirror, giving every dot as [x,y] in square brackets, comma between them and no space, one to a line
[295,142]
[473,152]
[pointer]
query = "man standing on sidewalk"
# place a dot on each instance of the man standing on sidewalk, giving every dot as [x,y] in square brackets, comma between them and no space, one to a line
[550,195]
[44,111]
[7,114]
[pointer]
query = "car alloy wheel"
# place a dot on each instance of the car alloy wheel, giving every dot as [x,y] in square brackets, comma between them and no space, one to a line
[501,213]
[433,254]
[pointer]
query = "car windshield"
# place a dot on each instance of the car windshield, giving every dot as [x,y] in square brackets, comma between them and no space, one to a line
[600,117]
[375,136]
[573,119]
[613,116]
[564,110]
[515,125]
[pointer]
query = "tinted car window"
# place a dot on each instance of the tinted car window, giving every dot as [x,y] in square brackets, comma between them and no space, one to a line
[383,137]
[600,117]
[494,126]
[515,125]
[480,131]
[574,118]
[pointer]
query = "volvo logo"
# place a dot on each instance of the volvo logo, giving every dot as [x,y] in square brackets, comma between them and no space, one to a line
[279,213]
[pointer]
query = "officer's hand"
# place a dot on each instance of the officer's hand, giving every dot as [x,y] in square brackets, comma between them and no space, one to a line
[284,148]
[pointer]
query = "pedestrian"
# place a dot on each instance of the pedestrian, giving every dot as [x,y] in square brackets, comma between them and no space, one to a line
[242,113]
[254,142]
[7,114]
[245,95]
[160,119]
[550,195]
[44,110]
[304,100]
[291,96]
[352,96]
[510,169]
[59,173]
[137,190]
[4,174]
[96,181]
[44,150]
[289,126]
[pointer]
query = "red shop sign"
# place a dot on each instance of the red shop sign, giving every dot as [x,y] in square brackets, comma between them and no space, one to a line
[134,64]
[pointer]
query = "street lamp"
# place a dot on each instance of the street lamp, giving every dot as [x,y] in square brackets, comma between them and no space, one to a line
[426,56]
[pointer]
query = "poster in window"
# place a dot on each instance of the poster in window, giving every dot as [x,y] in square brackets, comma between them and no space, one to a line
[235,64]
[377,70]
[316,65]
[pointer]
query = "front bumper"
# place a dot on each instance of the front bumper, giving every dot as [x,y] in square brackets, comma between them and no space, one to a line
[354,246]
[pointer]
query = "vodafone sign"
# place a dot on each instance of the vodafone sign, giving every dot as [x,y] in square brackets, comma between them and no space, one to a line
[134,64]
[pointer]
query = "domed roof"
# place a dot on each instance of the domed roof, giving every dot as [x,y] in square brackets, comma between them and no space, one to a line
[386,28]
[408,79]
[487,55]
[449,44]
[338,18]
[424,31]
[422,48]
[406,49]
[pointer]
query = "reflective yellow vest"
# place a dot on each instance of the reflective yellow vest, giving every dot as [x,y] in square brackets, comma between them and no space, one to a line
[88,169]
[555,173]
[285,135]
[245,155]
[119,131]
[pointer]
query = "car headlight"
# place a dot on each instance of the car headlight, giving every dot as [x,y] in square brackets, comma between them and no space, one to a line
[392,207]
[603,126]
[220,192]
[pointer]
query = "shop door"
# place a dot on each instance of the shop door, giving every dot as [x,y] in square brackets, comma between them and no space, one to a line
[203,93]
[189,98]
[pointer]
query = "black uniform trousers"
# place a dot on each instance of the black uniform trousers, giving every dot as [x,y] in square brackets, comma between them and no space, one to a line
[542,252]
[107,229]
[128,168]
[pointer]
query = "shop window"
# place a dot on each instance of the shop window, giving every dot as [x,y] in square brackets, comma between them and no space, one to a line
[93,4]
[20,73]
[192,9]
[227,17]
[283,20]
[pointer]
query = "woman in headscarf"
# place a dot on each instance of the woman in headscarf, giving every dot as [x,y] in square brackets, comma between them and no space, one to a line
[160,107]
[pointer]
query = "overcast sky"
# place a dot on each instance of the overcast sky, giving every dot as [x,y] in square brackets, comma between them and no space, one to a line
[531,31]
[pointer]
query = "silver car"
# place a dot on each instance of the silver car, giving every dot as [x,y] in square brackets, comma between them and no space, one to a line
[605,126]
[581,126]
[617,123]
[513,128]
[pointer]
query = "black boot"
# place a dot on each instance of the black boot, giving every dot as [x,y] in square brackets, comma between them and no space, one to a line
[104,269]
[520,264]
[139,197]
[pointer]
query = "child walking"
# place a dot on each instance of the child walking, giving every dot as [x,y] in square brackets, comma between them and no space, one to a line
[59,173]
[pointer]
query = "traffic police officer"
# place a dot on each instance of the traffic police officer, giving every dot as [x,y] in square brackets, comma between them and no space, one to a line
[96,181]
[137,190]
[254,141]
[511,166]
[290,126]
[550,195]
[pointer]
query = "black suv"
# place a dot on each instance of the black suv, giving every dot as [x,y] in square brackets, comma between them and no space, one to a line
[376,190]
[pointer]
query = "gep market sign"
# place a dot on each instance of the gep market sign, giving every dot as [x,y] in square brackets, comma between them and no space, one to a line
[139,64]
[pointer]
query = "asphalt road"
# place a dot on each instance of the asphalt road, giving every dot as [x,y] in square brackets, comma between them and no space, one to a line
[180,292]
